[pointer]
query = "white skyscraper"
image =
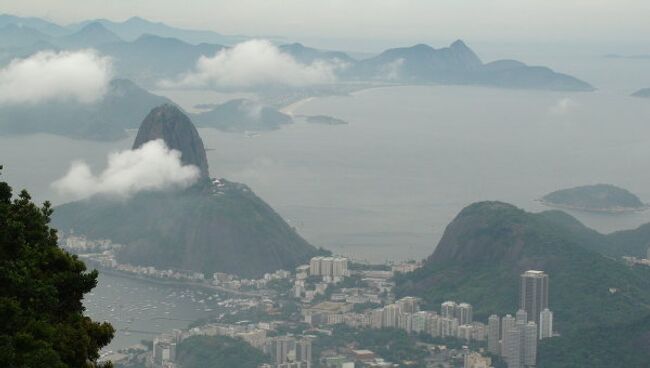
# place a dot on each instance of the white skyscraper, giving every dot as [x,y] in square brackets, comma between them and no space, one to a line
[408,304]
[448,309]
[545,324]
[494,327]
[419,322]
[448,327]
[512,346]
[434,327]
[303,351]
[339,267]
[326,266]
[464,313]
[314,266]
[521,317]
[389,318]
[507,323]
[529,345]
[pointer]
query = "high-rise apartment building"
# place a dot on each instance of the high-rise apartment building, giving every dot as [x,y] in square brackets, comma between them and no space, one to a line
[464,314]
[512,346]
[545,324]
[303,351]
[507,323]
[494,327]
[419,322]
[521,317]
[389,318]
[408,304]
[529,344]
[533,293]
[448,309]
[280,348]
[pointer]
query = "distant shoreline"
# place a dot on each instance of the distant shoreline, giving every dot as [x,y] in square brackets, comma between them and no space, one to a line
[289,109]
[173,283]
[611,211]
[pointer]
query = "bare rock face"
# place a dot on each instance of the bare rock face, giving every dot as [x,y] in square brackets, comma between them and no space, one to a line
[169,123]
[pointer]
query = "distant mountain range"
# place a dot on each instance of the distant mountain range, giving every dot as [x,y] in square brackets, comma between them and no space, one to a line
[458,64]
[123,107]
[489,244]
[213,226]
[128,30]
[141,50]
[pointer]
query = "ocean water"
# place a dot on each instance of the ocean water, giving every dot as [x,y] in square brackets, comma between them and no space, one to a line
[141,310]
[385,186]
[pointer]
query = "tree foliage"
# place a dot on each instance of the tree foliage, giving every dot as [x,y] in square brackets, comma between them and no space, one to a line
[42,321]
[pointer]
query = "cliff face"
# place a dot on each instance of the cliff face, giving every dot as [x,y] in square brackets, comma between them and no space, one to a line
[167,122]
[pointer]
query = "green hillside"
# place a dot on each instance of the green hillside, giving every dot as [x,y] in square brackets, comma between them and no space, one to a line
[210,227]
[488,245]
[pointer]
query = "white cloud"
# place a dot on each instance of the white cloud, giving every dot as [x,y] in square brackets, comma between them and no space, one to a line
[55,76]
[392,70]
[150,167]
[255,63]
[563,106]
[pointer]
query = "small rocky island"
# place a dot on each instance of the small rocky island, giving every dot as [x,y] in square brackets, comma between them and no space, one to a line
[323,119]
[644,93]
[595,198]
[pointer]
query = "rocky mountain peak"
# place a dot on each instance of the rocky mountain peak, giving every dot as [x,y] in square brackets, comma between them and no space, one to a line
[169,123]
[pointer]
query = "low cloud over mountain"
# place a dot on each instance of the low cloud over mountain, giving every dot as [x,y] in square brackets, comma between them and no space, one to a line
[150,167]
[255,63]
[81,76]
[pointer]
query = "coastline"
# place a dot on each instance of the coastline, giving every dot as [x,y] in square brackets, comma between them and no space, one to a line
[609,211]
[175,283]
[290,109]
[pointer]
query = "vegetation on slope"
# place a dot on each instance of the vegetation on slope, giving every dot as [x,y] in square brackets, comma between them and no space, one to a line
[600,347]
[209,228]
[42,322]
[489,244]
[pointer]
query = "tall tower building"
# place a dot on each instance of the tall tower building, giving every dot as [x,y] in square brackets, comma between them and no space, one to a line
[314,266]
[339,267]
[303,350]
[529,342]
[521,317]
[545,324]
[464,314]
[280,348]
[408,304]
[448,309]
[512,347]
[533,293]
[507,323]
[389,318]
[494,326]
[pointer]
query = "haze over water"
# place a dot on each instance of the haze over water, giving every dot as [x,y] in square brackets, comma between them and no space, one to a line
[386,185]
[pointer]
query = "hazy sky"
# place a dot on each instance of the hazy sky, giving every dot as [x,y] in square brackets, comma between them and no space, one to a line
[516,21]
